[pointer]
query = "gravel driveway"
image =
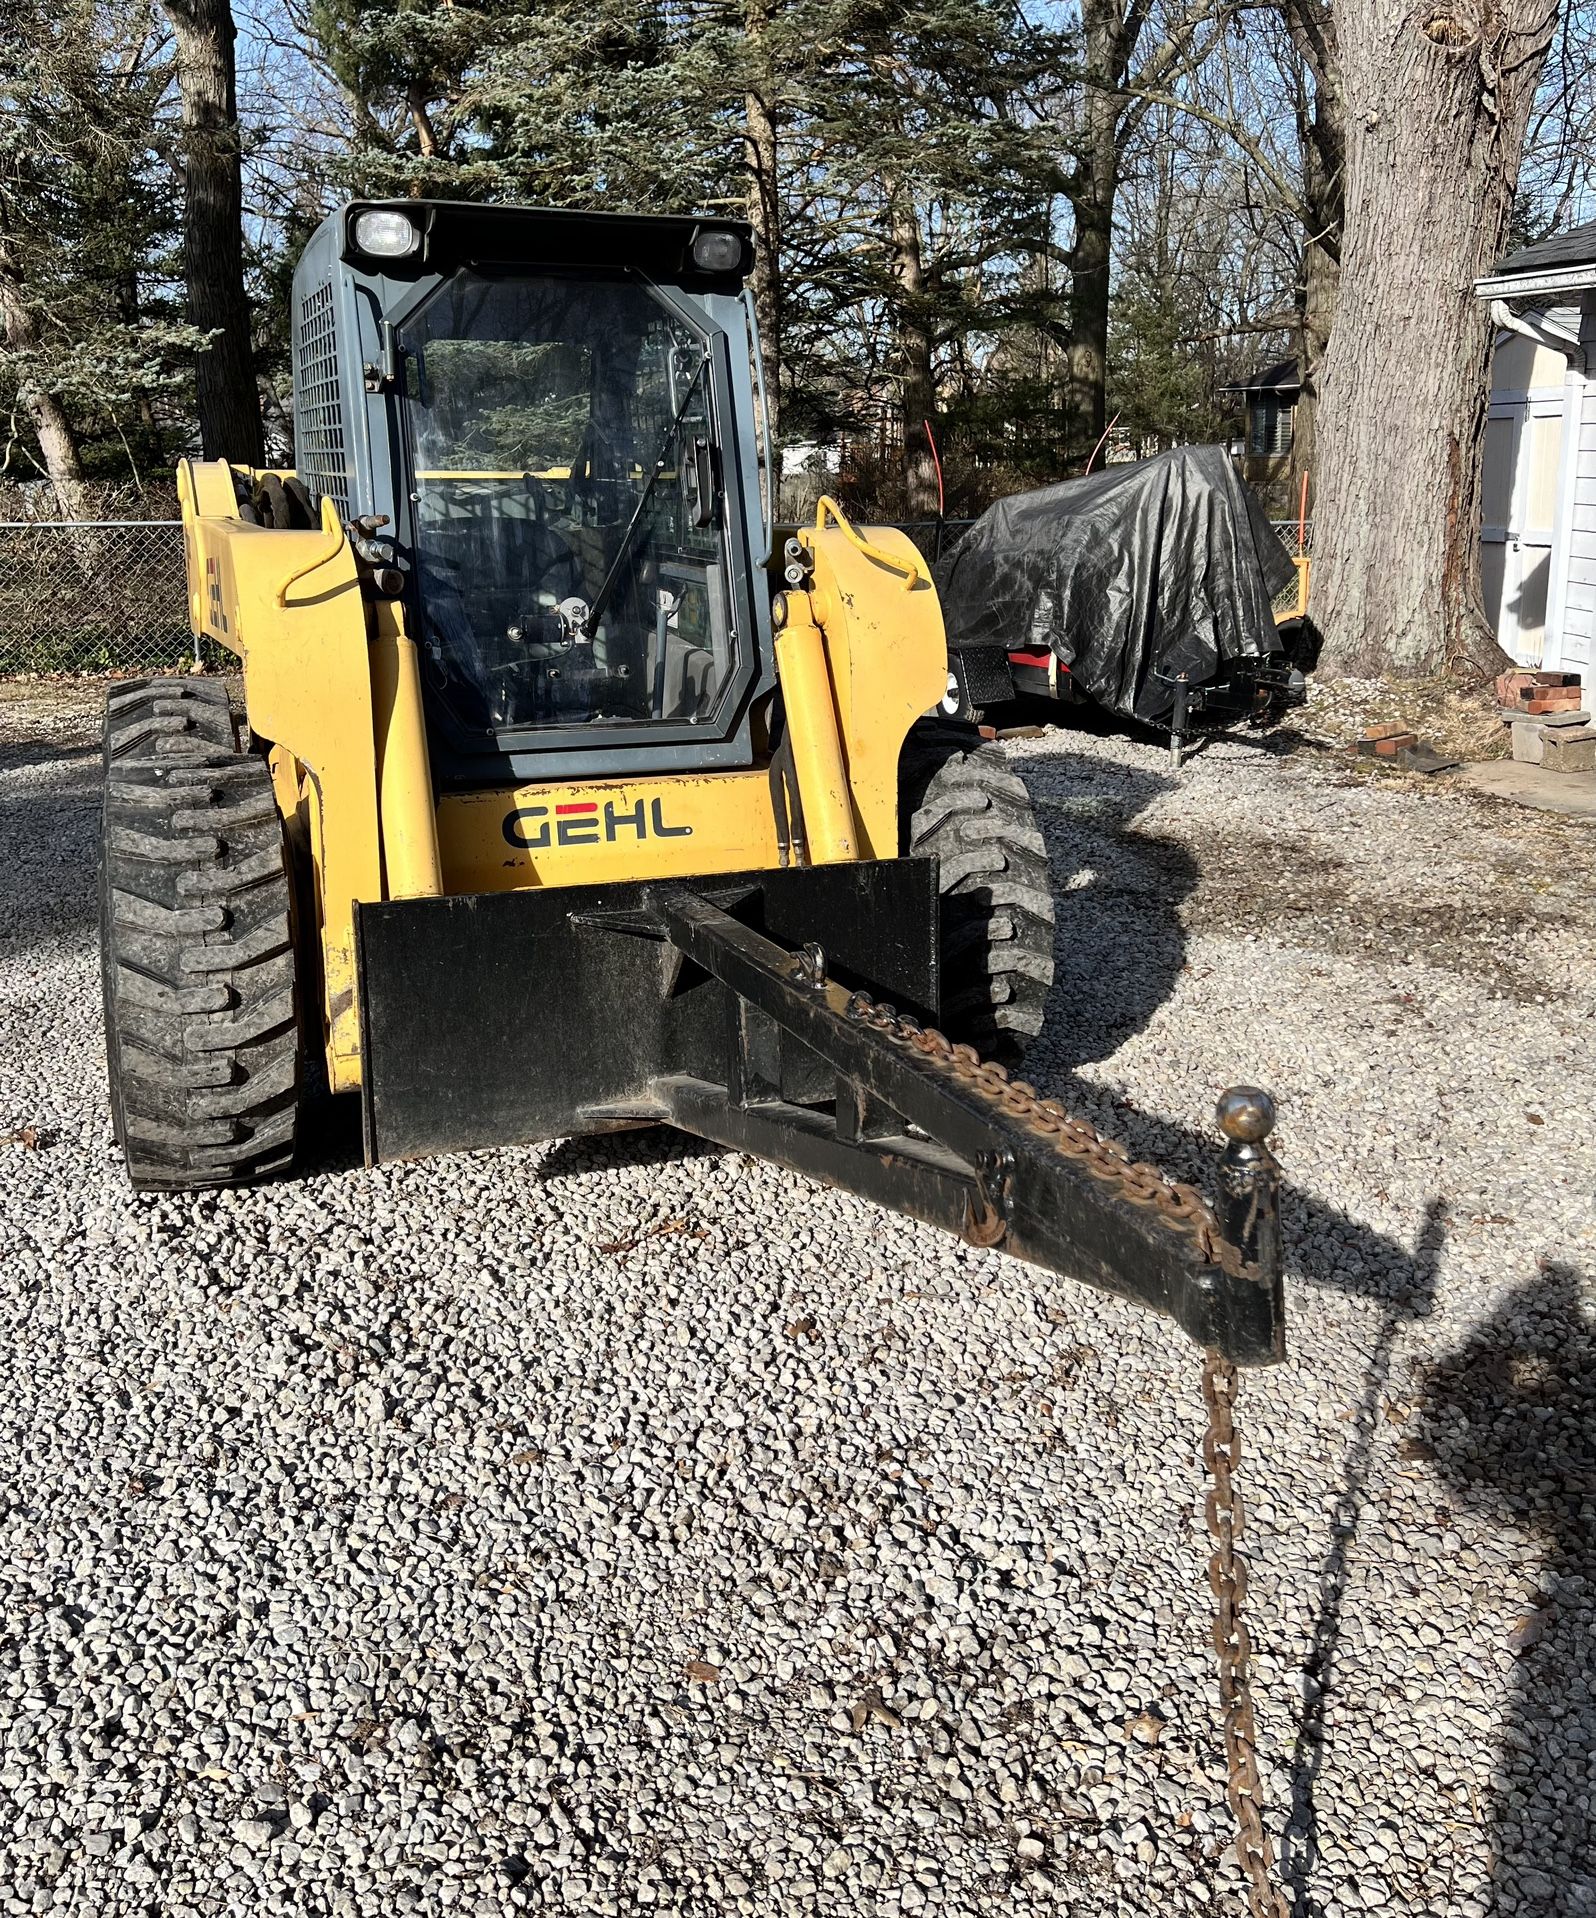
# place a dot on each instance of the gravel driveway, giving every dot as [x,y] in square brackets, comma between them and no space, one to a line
[622,1526]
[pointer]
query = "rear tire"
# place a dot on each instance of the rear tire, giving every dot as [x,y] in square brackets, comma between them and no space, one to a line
[960,803]
[202,1034]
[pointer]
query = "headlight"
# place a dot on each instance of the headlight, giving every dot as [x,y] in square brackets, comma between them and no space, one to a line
[385,234]
[717,251]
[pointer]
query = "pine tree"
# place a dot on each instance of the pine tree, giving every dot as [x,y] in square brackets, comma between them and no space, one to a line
[927,203]
[409,73]
[96,360]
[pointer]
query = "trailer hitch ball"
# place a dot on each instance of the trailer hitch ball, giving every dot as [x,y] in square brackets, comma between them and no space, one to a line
[1246,1115]
[1249,1174]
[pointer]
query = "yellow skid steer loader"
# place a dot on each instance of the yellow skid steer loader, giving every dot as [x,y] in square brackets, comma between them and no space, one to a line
[568,796]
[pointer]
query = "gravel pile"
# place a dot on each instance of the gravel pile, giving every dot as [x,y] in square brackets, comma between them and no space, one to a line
[620,1526]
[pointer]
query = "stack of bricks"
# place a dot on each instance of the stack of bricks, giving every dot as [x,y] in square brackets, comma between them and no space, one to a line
[1549,725]
[1535,694]
[1395,746]
[1385,742]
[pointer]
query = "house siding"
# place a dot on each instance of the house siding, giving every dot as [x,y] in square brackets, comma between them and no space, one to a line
[1577,624]
[1572,597]
[1527,497]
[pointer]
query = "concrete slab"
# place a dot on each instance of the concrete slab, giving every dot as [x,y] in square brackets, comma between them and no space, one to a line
[1570,793]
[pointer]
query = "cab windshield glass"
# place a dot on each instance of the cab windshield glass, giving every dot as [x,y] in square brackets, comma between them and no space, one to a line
[567,527]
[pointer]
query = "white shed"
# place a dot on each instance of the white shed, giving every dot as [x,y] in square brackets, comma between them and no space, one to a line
[1538,537]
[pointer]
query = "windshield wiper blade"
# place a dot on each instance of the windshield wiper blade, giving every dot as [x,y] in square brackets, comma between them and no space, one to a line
[602,597]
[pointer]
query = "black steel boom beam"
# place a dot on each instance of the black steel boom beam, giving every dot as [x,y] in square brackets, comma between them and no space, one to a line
[943,1141]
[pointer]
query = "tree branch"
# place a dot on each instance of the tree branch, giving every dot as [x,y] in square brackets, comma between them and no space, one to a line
[1249,145]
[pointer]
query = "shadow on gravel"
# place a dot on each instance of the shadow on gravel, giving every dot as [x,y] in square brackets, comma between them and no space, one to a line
[15,754]
[611,1151]
[1119,944]
[331,1142]
[1325,1248]
[1299,1855]
[1510,1419]
[1279,738]
[49,835]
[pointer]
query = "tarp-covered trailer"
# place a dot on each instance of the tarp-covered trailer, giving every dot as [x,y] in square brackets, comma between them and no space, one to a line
[1147,589]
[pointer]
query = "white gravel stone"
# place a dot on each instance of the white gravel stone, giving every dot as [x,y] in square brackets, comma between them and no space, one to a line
[377,1543]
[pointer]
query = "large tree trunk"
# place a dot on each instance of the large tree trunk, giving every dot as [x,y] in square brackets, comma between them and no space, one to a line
[915,354]
[761,156]
[1086,359]
[1436,106]
[58,447]
[213,239]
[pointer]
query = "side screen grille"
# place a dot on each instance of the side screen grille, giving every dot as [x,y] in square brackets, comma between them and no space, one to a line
[318,414]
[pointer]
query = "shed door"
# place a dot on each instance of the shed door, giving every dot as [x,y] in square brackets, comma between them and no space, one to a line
[1523,449]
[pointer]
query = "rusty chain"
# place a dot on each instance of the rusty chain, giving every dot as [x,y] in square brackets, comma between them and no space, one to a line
[1227,1575]
[1182,1207]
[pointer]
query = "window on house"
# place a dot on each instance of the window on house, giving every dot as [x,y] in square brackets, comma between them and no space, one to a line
[1268,427]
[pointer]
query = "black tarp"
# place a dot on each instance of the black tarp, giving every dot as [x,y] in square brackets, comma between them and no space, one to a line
[1131,576]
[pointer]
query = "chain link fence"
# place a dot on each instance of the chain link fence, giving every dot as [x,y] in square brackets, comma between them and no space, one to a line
[110,595]
[95,596]
[934,537]
[1297,538]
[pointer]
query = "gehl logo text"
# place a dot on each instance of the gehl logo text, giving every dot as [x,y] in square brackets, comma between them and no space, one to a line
[529,828]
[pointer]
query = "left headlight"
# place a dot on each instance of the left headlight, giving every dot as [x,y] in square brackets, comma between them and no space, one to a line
[386,234]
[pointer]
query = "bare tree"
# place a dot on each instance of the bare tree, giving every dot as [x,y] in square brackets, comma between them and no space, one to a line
[916,348]
[1436,105]
[1557,181]
[213,229]
[1109,32]
[1120,78]
[1321,138]
[1206,267]
[1293,162]
[58,447]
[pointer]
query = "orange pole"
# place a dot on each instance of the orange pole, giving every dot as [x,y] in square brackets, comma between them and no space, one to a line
[1302,517]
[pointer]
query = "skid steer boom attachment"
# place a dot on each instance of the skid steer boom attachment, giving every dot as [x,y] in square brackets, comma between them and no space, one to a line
[925,1127]
[681,1003]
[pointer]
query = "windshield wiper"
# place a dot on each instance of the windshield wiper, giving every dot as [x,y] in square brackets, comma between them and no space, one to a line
[602,597]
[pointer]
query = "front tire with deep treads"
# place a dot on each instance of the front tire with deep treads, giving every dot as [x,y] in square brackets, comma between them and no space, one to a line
[959,801]
[202,1031]
[962,804]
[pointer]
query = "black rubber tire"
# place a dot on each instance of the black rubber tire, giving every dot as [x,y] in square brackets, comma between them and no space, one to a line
[283,504]
[959,801]
[202,1030]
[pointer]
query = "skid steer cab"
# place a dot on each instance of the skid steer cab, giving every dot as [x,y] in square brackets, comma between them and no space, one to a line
[569,795]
